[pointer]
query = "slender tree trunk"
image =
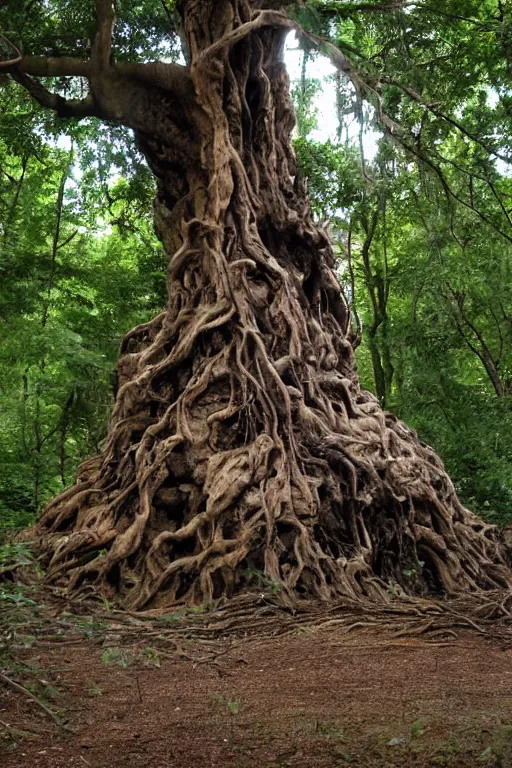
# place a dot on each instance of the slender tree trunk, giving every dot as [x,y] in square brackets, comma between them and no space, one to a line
[11,215]
[382,366]
[387,363]
[63,434]
[240,438]
[379,376]
[477,344]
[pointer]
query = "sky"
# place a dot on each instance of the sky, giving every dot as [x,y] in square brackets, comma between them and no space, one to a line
[321,68]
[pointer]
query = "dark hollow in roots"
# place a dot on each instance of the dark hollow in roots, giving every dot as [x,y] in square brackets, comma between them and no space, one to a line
[240,440]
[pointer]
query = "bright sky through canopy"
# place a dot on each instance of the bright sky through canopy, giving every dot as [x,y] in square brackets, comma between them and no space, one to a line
[320,68]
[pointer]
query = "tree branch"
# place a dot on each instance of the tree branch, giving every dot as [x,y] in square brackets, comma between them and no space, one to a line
[173,77]
[343,63]
[358,331]
[350,8]
[395,130]
[168,14]
[64,66]
[102,75]
[13,181]
[392,5]
[102,48]
[484,353]
[63,107]
[10,62]
[422,158]
[437,112]
[169,77]
[68,239]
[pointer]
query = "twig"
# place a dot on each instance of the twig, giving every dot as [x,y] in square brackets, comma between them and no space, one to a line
[11,62]
[22,689]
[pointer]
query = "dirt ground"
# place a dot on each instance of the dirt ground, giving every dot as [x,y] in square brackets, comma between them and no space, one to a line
[315,699]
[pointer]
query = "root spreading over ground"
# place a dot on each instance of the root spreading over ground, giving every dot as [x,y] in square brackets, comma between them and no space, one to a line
[241,449]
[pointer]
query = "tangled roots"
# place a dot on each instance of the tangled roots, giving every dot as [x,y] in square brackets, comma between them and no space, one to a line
[241,449]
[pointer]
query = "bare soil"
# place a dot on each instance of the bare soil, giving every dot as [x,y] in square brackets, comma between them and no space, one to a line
[315,699]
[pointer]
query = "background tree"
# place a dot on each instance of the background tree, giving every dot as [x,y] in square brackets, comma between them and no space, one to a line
[75,269]
[448,334]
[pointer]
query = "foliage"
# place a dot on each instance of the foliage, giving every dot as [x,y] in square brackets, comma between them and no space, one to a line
[80,265]
[124,657]
[427,275]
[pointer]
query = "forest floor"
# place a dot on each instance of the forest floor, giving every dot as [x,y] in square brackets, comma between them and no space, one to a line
[316,697]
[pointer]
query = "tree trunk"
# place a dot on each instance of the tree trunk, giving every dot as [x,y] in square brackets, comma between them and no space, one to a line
[240,439]
[382,366]
[379,376]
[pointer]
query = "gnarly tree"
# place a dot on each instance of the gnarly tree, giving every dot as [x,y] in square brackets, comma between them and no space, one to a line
[240,439]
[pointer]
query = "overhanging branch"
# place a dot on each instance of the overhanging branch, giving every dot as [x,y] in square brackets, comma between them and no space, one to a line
[65,66]
[432,108]
[170,77]
[173,77]
[372,92]
[63,107]
[17,55]
[348,9]
[104,77]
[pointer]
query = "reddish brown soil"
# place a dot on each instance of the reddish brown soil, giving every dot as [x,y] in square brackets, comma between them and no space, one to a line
[312,700]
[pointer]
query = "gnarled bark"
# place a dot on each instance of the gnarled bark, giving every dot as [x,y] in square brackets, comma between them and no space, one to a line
[240,439]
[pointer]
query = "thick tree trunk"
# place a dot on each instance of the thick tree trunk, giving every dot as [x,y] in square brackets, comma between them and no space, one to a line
[240,439]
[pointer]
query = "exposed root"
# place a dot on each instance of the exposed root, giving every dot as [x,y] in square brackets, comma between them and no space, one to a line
[206,633]
[241,447]
[32,696]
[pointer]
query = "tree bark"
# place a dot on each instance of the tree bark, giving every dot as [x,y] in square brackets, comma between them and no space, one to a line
[240,439]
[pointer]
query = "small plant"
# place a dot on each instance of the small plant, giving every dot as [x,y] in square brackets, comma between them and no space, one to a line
[414,570]
[14,556]
[124,657]
[417,728]
[232,705]
[118,656]
[262,580]
[95,690]
[15,593]
[90,626]
[329,731]
[151,657]
[182,613]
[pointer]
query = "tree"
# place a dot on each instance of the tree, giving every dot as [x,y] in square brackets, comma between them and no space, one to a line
[240,438]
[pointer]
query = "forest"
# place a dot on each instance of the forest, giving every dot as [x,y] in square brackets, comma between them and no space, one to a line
[428,274]
[256,362]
